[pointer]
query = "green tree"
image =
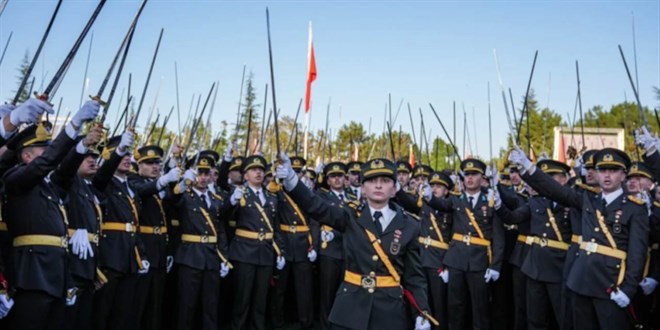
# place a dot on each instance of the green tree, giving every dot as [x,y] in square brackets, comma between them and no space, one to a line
[22,72]
[541,123]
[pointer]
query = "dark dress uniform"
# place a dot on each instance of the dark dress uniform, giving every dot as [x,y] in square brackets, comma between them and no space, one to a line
[120,250]
[647,307]
[613,248]
[37,221]
[371,296]
[202,250]
[253,251]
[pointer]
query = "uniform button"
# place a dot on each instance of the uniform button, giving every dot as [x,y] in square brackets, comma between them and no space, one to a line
[618,266]
[345,290]
[596,229]
[470,224]
[371,290]
[372,274]
[547,224]
[593,240]
[374,258]
[545,235]
[430,228]
[295,222]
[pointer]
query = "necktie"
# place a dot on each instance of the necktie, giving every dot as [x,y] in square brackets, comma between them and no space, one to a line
[341,197]
[260,196]
[128,189]
[203,197]
[471,200]
[379,226]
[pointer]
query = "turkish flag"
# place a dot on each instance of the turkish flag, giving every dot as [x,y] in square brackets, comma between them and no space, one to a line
[311,70]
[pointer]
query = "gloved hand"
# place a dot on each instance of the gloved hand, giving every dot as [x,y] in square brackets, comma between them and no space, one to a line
[169,177]
[319,167]
[188,179]
[311,255]
[145,267]
[6,304]
[494,194]
[427,192]
[620,298]
[80,245]
[444,275]
[224,269]
[169,264]
[398,186]
[126,142]
[236,196]
[285,172]
[88,112]
[422,324]
[6,108]
[280,262]
[648,285]
[71,296]
[29,111]
[517,156]
[228,155]
[491,275]
[327,236]
[643,138]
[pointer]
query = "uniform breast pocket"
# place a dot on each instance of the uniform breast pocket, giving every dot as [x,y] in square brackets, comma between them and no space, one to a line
[618,223]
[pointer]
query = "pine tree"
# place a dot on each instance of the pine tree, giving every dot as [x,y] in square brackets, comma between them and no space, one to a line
[22,72]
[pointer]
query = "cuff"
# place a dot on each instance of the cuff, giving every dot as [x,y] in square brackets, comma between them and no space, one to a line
[70,131]
[80,148]
[290,184]
[121,153]
[3,133]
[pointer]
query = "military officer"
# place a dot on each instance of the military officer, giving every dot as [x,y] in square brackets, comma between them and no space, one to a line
[615,232]
[403,170]
[354,169]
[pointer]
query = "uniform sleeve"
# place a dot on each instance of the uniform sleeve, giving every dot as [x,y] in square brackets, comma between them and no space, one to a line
[413,274]
[509,198]
[519,215]
[497,243]
[105,173]
[64,174]
[335,216]
[442,204]
[408,202]
[548,187]
[143,187]
[638,241]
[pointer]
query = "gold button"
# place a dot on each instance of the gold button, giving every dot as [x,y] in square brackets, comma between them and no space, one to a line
[371,290]
[374,258]
[372,274]
[618,266]
[470,224]
[430,228]
[547,224]
[593,240]
[596,229]
[545,235]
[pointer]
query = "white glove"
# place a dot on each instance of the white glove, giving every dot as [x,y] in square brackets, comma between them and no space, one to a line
[71,296]
[444,275]
[517,156]
[644,139]
[29,111]
[280,262]
[422,324]
[169,177]
[285,172]
[126,142]
[80,244]
[236,196]
[6,304]
[6,108]
[327,236]
[648,285]
[145,267]
[224,269]
[494,194]
[398,186]
[311,255]
[319,167]
[88,112]
[427,192]
[491,275]
[188,178]
[620,298]
[228,156]
[169,264]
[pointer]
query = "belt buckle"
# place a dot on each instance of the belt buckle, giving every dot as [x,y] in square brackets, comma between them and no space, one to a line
[64,243]
[591,247]
[368,283]
[129,227]
[292,228]
[427,241]
[529,240]
[157,230]
[204,238]
[261,236]
[543,242]
[95,239]
[466,239]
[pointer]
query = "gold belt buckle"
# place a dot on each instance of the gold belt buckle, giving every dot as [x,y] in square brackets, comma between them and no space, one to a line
[368,283]
[261,236]
[466,239]
[292,228]
[95,239]
[157,230]
[129,227]
[543,242]
[591,247]
[427,241]
[205,239]
[64,243]
[529,240]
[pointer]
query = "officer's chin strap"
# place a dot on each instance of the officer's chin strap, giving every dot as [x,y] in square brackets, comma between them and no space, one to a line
[414,304]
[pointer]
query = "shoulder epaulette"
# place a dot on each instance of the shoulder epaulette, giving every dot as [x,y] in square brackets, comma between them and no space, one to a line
[455,193]
[216,196]
[273,188]
[354,205]
[414,216]
[595,190]
[636,200]
[325,190]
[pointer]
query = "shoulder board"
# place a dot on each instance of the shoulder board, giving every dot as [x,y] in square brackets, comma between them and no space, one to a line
[455,193]
[414,216]
[354,205]
[325,190]
[656,204]
[273,188]
[594,190]
[636,200]
[351,196]
[216,196]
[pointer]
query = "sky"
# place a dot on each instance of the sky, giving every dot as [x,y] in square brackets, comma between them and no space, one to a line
[419,51]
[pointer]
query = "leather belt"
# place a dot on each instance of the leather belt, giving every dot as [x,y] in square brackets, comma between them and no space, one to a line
[92,237]
[3,226]
[253,235]
[118,226]
[577,239]
[175,223]
[294,229]
[467,239]
[591,247]
[428,241]
[156,230]
[543,242]
[529,240]
[371,281]
[188,238]
[49,240]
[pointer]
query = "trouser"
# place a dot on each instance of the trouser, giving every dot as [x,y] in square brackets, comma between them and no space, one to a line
[149,299]
[595,313]
[331,271]
[198,290]
[503,304]
[437,295]
[251,283]
[544,304]
[648,309]
[519,289]
[302,283]
[36,310]
[114,302]
[468,289]
[79,316]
